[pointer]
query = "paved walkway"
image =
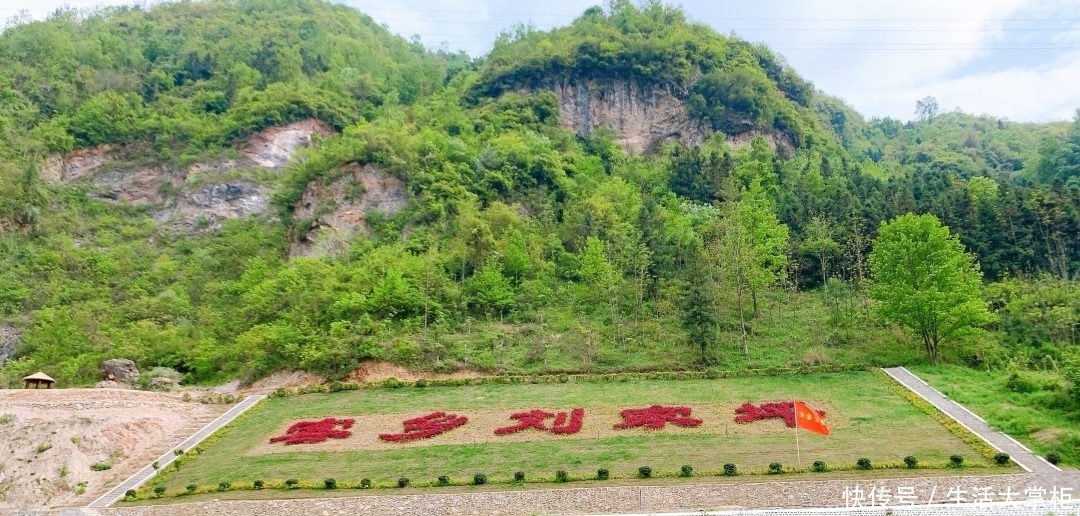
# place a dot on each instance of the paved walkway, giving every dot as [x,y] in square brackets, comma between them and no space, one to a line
[140,478]
[1048,475]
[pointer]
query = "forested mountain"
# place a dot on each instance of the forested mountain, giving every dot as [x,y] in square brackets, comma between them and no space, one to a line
[632,191]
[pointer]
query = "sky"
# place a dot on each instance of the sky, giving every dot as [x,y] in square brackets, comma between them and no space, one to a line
[1017,59]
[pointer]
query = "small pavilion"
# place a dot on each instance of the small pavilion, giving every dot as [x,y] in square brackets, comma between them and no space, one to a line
[38,379]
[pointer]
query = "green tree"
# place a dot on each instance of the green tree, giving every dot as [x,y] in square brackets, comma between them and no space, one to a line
[748,249]
[925,280]
[818,242]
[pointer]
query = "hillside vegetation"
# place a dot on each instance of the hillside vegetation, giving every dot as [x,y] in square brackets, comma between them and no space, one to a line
[523,246]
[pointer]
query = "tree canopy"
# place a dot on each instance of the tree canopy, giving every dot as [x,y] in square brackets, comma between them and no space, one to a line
[925,280]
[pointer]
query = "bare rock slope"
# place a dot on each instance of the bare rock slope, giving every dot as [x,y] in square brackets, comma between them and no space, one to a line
[339,210]
[199,197]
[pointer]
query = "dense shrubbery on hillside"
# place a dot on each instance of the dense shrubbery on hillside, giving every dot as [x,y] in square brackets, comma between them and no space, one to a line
[524,247]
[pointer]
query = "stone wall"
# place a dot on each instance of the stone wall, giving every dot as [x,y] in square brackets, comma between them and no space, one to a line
[599,500]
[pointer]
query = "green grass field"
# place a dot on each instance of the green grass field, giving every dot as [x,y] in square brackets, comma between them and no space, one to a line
[1042,418]
[880,425]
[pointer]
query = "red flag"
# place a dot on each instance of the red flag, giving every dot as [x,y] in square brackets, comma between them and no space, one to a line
[808,419]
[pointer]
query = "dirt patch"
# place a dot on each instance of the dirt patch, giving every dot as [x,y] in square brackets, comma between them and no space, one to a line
[284,379]
[53,437]
[718,418]
[1046,435]
[375,371]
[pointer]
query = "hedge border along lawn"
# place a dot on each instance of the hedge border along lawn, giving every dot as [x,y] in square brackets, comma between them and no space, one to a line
[884,427]
[711,374]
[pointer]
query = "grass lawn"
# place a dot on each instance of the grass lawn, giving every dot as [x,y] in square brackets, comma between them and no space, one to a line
[880,425]
[1044,419]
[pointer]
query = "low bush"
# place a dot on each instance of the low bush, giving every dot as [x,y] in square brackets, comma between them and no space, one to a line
[443,481]
[191,488]
[403,482]
[776,468]
[258,484]
[562,476]
[421,383]
[911,461]
[519,476]
[479,479]
[159,491]
[44,447]
[365,483]
[224,486]
[330,483]
[730,470]
[130,494]
[101,466]
[1001,458]
[644,472]
[819,466]
[292,483]
[864,463]
[1053,458]
[603,474]
[956,461]
[686,471]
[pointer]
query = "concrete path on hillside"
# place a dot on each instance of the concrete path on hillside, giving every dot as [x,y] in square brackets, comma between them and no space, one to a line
[1020,454]
[148,472]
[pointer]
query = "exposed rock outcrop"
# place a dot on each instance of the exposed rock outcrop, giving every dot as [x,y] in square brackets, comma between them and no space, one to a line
[199,198]
[644,118]
[208,206]
[10,338]
[275,146]
[339,208]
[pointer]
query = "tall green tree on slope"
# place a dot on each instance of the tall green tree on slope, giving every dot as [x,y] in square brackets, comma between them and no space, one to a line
[925,280]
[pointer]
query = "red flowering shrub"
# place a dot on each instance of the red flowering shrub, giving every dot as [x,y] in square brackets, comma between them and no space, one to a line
[308,432]
[748,412]
[577,416]
[427,426]
[535,419]
[656,416]
[531,419]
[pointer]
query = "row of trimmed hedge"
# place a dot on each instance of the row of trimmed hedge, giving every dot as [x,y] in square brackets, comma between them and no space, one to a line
[560,476]
[394,383]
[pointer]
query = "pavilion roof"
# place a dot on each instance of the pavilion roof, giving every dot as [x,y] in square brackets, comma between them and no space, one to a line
[39,376]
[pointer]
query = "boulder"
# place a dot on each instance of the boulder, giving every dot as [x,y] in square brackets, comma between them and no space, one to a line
[121,370]
[10,337]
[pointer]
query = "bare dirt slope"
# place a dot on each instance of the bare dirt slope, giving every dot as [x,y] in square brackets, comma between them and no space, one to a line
[49,439]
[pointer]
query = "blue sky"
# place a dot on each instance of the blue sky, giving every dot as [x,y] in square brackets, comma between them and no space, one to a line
[1018,59]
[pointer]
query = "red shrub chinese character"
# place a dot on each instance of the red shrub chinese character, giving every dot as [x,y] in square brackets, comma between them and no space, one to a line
[535,419]
[748,412]
[308,432]
[577,416]
[656,416]
[427,426]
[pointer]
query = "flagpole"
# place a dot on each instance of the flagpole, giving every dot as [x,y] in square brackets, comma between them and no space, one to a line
[795,410]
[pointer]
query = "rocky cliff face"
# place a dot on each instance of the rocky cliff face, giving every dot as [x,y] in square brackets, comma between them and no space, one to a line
[644,118]
[198,198]
[338,209]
